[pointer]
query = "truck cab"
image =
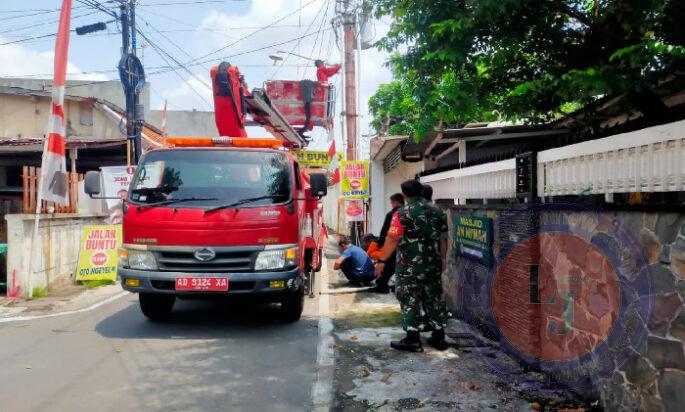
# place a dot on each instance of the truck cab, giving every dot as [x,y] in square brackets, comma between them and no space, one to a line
[219,217]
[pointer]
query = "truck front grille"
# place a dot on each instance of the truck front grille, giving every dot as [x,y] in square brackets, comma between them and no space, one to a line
[239,260]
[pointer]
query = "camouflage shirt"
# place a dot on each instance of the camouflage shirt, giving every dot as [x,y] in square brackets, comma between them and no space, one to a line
[419,226]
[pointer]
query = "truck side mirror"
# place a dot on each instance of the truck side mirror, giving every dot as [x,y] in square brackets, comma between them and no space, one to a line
[318,184]
[91,183]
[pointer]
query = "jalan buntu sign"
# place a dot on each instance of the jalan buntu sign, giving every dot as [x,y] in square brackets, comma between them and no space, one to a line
[97,259]
[355,179]
[473,237]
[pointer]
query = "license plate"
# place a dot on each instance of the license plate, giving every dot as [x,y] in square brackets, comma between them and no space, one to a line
[202,284]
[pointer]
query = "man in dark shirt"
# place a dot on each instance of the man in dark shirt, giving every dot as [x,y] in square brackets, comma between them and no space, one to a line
[396,201]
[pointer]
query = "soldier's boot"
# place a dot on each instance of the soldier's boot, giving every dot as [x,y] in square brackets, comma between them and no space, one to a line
[412,343]
[437,339]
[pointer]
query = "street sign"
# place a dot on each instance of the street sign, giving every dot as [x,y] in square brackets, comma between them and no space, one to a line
[474,237]
[355,179]
[315,159]
[97,259]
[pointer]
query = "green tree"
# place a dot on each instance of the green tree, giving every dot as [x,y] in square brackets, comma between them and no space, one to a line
[475,60]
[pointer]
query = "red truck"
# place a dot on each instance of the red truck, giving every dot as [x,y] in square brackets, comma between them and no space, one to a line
[223,216]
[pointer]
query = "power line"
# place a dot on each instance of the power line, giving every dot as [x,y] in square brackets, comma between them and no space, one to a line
[278,69]
[163,54]
[256,31]
[172,3]
[45,23]
[316,39]
[165,69]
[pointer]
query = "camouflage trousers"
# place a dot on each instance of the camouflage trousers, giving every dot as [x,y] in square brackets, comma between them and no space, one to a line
[421,302]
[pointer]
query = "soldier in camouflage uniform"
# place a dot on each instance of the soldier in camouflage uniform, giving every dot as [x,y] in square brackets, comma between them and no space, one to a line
[419,233]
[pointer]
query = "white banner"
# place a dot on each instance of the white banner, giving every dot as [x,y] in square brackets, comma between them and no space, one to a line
[354,210]
[115,183]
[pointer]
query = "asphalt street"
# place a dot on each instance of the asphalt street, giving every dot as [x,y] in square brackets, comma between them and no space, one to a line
[207,357]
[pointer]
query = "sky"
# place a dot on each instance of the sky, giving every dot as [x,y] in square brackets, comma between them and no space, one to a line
[243,32]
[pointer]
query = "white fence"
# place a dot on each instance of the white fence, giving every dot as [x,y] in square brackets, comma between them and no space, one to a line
[495,180]
[647,160]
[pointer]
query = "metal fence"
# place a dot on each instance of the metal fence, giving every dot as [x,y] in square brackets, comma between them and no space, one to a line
[495,180]
[647,160]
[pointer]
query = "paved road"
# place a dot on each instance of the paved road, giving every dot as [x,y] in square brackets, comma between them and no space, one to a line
[209,356]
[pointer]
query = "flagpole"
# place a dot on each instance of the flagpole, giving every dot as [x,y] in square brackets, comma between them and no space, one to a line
[36,220]
[54,148]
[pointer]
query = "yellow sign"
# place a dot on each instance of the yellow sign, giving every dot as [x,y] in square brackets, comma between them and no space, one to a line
[355,179]
[97,259]
[315,159]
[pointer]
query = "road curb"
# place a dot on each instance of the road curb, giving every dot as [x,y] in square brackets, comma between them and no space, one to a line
[322,390]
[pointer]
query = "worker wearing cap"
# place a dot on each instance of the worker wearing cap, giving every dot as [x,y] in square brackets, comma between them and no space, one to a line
[323,72]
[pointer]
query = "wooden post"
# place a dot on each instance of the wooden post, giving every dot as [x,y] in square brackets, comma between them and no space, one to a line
[25,208]
[128,152]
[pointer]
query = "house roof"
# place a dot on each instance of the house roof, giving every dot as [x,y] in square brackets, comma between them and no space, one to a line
[151,136]
[13,145]
[382,146]
[19,91]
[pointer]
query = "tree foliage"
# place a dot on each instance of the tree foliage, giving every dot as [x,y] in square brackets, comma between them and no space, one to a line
[477,60]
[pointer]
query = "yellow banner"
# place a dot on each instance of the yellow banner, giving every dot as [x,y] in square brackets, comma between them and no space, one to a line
[315,159]
[355,179]
[97,259]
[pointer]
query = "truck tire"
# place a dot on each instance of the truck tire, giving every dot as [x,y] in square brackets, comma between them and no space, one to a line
[156,307]
[293,305]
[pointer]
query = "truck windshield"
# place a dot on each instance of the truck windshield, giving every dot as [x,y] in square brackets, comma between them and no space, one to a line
[207,178]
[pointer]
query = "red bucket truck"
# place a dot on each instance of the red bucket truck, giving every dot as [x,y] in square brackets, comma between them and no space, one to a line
[223,216]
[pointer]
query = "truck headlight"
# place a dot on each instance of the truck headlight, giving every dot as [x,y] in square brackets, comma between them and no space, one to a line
[276,259]
[142,260]
[123,257]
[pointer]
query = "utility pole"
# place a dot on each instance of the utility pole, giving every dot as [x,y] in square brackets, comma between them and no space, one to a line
[131,74]
[349,32]
[130,131]
[138,114]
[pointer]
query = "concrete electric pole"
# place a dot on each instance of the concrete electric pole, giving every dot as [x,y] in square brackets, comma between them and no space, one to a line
[350,44]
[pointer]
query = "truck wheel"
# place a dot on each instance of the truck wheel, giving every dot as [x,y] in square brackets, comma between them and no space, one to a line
[292,306]
[156,307]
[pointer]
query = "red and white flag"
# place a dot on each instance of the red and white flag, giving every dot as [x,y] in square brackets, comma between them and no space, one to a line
[334,168]
[54,185]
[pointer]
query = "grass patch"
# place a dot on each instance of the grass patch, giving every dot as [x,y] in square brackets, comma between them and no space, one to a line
[40,293]
[96,283]
[374,318]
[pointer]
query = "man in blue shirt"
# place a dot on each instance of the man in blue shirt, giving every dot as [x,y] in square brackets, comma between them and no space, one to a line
[354,263]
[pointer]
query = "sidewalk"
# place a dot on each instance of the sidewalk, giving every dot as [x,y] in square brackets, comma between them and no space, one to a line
[369,375]
[62,298]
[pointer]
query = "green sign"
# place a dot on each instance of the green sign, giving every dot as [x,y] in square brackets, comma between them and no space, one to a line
[474,237]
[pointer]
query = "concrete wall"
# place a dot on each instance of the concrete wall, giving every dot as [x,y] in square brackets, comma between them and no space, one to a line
[55,250]
[185,123]
[27,117]
[626,273]
[384,185]
[111,90]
